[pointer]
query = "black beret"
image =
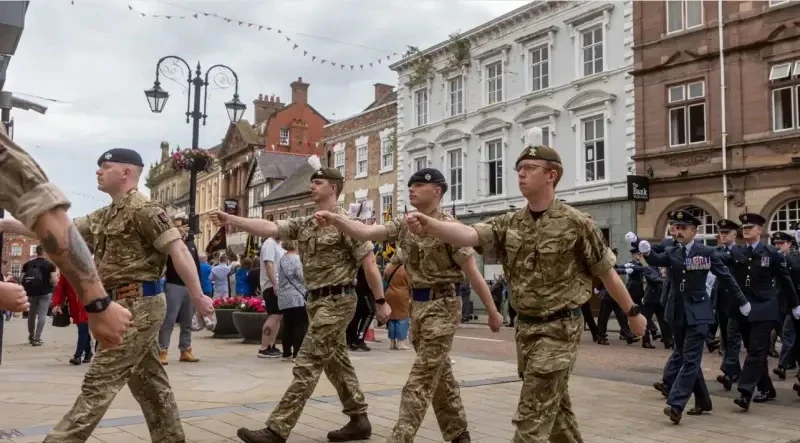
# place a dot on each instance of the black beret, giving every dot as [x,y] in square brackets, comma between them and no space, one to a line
[727,225]
[121,155]
[428,175]
[749,218]
[684,218]
[782,236]
[327,174]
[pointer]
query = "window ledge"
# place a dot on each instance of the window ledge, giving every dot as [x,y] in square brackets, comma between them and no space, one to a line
[493,107]
[538,94]
[592,184]
[583,81]
[491,198]
[360,176]
[386,170]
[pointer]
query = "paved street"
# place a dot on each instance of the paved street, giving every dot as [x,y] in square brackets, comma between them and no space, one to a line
[230,388]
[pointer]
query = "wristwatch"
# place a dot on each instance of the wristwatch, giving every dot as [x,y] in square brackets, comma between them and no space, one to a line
[97,306]
[380,301]
[634,310]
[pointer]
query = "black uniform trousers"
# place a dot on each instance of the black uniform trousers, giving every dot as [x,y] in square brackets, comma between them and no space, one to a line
[655,309]
[588,318]
[362,319]
[755,371]
[689,344]
[608,305]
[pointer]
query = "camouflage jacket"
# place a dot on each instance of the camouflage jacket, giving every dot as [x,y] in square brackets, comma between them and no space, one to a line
[548,263]
[129,239]
[329,257]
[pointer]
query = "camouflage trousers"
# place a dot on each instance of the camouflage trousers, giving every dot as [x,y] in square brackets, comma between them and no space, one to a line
[135,363]
[546,353]
[433,325]
[323,349]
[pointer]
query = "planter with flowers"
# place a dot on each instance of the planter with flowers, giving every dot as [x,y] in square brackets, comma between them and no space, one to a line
[249,318]
[224,309]
[192,159]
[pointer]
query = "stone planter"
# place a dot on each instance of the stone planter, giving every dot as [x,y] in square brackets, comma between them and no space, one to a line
[249,325]
[225,327]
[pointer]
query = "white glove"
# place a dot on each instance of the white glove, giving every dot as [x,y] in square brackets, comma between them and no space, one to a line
[644,247]
[796,312]
[628,265]
[628,271]
[631,238]
[745,309]
[596,291]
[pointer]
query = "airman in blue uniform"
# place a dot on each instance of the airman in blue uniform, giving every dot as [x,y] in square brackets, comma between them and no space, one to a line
[689,310]
[757,267]
[729,329]
[786,359]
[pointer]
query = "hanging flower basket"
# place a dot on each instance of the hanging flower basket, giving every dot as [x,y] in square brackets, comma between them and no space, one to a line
[192,159]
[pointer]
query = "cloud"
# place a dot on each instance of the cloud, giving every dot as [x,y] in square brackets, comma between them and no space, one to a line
[98,57]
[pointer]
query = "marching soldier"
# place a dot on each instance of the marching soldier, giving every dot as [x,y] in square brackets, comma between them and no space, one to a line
[550,251]
[434,268]
[783,241]
[330,264]
[650,299]
[756,266]
[40,210]
[729,328]
[690,311]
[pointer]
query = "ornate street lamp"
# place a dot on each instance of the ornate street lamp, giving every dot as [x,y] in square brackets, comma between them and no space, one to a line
[157,98]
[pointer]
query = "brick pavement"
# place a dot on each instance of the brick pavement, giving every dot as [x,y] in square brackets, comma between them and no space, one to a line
[231,388]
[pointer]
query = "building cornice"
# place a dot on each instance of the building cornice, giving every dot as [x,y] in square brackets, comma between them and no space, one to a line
[360,114]
[361,130]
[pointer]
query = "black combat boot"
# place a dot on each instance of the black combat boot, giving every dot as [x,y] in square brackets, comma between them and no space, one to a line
[358,428]
[463,438]
[265,435]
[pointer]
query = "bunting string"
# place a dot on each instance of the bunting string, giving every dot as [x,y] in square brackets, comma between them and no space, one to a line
[288,40]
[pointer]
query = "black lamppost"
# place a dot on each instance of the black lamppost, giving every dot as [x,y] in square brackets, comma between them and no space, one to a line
[157,98]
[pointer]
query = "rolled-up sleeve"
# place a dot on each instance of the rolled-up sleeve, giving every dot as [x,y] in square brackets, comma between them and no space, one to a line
[288,229]
[492,233]
[596,255]
[24,188]
[461,255]
[393,228]
[154,226]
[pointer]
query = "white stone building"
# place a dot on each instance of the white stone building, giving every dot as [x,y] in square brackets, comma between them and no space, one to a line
[561,66]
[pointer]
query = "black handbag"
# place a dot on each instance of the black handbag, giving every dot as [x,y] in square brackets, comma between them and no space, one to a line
[62,319]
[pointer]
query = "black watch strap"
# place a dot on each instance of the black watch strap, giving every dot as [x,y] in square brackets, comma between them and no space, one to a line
[97,306]
[634,310]
[380,301]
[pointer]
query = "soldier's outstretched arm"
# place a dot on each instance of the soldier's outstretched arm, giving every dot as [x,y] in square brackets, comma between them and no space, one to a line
[358,230]
[451,232]
[255,226]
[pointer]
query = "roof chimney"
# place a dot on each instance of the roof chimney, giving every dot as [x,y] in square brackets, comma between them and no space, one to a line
[299,91]
[381,90]
[264,106]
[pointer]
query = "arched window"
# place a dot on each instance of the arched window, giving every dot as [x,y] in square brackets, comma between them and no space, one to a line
[786,218]
[707,231]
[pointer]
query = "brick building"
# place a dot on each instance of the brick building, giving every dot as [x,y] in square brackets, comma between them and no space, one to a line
[17,250]
[362,147]
[295,128]
[292,198]
[679,118]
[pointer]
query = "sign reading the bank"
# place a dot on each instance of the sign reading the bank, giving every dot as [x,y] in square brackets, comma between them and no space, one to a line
[638,188]
[232,206]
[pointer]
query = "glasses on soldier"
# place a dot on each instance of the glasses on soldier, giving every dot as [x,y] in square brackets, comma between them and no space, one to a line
[529,167]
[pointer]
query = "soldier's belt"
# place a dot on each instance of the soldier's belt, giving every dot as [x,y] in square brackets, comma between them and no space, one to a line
[138,289]
[331,290]
[566,313]
[434,293]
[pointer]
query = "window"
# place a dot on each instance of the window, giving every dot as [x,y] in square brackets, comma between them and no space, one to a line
[284,136]
[309,211]
[421,106]
[420,163]
[282,216]
[592,50]
[594,149]
[785,79]
[707,231]
[777,2]
[684,14]
[494,82]
[338,161]
[32,251]
[16,250]
[254,210]
[386,207]
[540,68]
[494,162]
[455,171]
[545,134]
[455,95]
[687,120]
[16,269]
[787,218]
[294,214]
[361,160]
[387,155]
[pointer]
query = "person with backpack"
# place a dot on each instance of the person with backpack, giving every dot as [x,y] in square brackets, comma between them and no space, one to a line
[39,277]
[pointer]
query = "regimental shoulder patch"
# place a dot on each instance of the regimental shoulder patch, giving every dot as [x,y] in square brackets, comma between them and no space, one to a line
[162,216]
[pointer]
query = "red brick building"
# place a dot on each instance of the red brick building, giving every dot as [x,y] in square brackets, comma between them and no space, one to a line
[679,119]
[362,147]
[17,250]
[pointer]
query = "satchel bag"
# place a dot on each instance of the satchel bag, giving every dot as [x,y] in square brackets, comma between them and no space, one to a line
[62,319]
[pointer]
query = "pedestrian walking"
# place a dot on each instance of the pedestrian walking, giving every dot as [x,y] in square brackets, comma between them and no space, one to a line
[39,277]
[64,295]
[550,251]
[132,238]
[330,263]
[434,269]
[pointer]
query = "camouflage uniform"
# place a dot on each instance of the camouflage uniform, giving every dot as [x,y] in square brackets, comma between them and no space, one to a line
[329,259]
[24,189]
[549,264]
[129,238]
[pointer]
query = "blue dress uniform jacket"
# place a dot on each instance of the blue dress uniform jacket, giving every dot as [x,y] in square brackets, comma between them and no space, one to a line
[659,249]
[655,285]
[755,273]
[687,279]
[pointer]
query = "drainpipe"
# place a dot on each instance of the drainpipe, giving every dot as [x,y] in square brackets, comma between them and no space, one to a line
[724,113]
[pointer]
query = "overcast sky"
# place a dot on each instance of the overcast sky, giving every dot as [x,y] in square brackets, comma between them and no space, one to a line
[97,56]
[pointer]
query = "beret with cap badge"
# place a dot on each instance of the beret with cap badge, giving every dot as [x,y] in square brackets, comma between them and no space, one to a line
[535,149]
[323,173]
[428,175]
[121,155]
